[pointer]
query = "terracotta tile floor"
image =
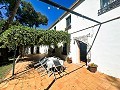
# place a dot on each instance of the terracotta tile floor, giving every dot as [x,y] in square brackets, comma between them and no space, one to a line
[76,78]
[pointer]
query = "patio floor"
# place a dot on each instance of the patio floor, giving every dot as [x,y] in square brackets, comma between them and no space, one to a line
[76,78]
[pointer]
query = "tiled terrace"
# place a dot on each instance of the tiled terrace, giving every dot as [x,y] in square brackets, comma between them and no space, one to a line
[76,78]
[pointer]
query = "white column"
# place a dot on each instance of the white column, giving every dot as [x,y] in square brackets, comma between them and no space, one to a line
[35,50]
[29,50]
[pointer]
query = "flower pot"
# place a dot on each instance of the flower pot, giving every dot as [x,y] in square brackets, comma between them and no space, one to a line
[69,60]
[92,69]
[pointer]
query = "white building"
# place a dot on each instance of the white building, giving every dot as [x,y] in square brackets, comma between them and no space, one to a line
[37,49]
[105,51]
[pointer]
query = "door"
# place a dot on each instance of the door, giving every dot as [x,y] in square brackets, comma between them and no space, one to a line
[83,51]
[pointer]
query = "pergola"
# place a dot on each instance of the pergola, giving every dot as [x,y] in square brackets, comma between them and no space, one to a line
[80,15]
[68,10]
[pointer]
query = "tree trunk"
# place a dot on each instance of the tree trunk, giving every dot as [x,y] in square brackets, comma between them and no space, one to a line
[12,15]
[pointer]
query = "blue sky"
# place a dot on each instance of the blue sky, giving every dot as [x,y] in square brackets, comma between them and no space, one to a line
[51,12]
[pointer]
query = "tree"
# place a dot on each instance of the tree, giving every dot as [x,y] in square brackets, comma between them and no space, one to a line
[41,19]
[1,16]
[2,22]
[12,10]
[12,6]
[24,36]
[27,16]
[18,36]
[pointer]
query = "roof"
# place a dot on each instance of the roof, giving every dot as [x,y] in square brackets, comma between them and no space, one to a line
[74,5]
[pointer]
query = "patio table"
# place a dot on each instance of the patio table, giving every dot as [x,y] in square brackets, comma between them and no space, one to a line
[51,66]
[50,62]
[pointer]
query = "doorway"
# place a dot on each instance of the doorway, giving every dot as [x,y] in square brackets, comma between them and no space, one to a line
[83,51]
[32,49]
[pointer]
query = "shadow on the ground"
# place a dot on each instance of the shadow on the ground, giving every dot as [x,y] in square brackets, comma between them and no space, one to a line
[31,57]
[115,81]
[34,57]
[50,85]
[17,75]
[5,69]
[24,73]
[6,63]
[67,73]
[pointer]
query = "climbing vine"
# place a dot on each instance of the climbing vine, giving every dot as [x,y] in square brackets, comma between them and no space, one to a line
[25,36]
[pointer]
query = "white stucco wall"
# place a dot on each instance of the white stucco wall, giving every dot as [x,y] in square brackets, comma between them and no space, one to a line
[42,49]
[106,49]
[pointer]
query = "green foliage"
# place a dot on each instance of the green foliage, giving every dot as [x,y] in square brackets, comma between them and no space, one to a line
[93,65]
[8,5]
[2,22]
[52,37]
[26,14]
[25,36]
[19,36]
[4,70]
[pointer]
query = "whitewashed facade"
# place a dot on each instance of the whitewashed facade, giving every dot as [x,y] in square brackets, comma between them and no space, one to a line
[41,49]
[106,48]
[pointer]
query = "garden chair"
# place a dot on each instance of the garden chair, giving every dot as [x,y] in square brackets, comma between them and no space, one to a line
[42,66]
[58,67]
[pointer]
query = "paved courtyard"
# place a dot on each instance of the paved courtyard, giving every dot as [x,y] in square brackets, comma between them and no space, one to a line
[77,77]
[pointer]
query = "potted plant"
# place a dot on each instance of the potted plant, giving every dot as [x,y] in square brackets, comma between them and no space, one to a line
[69,60]
[92,67]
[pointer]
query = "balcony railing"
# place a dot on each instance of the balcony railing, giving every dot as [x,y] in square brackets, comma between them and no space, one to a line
[110,6]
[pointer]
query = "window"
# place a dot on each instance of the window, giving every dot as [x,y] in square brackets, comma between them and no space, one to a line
[68,22]
[55,28]
[107,5]
[103,3]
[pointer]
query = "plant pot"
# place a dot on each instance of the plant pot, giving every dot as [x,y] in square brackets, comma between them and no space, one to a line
[92,69]
[69,60]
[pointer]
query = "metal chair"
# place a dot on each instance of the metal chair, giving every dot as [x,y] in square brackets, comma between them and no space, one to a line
[42,65]
[58,67]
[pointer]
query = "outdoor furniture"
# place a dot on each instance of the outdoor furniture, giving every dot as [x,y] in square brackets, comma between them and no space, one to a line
[50,61]
[39,62]
[55,65]
[50,65]
[58,66]
[42,65]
